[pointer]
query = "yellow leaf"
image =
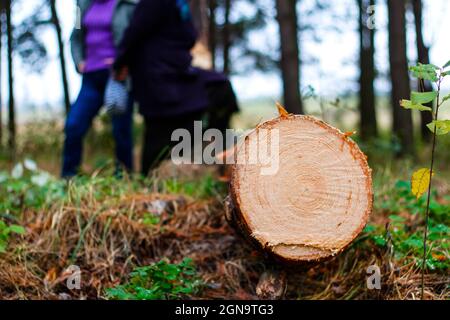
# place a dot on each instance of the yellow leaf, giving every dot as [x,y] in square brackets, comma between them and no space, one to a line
[420,182]
[281,110]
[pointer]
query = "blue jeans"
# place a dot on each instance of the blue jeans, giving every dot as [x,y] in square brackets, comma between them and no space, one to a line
[79,120]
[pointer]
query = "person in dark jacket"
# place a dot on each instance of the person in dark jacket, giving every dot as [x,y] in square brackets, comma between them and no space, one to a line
[156,49]
[94,41]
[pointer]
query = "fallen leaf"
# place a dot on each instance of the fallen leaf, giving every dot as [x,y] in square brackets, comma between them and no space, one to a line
[439,257]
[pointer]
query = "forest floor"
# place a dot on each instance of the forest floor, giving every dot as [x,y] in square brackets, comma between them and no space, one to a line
[109,227]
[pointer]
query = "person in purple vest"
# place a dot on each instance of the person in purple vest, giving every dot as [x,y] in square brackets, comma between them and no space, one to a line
[94,41]
[156,49]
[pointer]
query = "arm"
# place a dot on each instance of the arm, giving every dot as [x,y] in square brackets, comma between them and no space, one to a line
[147,18]
[76,42]
[76,45]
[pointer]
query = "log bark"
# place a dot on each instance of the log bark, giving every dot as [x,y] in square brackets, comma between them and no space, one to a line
[315,204]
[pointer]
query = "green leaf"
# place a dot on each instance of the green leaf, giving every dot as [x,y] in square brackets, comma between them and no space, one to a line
[17,229]
[442,127]
[395,218]
[379,240]
[447,97]
[423,97]
[446,65]
[413,243]
[425,72]
[369,228]
[407,104]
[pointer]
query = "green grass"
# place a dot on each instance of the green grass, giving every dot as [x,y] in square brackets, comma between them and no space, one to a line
[27,190]
[158,281]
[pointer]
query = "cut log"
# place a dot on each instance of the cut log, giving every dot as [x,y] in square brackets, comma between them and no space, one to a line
[318,200]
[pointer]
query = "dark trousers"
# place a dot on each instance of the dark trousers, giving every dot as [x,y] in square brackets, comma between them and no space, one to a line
[79,120]
[158,130]
[158,134]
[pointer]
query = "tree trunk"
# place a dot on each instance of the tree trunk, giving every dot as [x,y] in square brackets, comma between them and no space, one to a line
[11,105]
[226,38]
[212,31]
[402,119]
[368,122]
[290,64]
[332,182]
[1,91]
[62,59]
[201,54]
[199,10]
[424,58]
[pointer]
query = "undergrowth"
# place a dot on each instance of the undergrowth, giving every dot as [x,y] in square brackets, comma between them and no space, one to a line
[158,281]
[405,227]
[121,231]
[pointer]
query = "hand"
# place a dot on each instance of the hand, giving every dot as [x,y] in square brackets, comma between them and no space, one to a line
[109,61]
[81,67]
[121,74]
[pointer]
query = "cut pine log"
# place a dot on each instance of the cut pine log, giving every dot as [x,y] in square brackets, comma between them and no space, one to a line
[318,200]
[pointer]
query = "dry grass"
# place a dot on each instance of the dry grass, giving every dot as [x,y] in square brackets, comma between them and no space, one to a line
[107,237]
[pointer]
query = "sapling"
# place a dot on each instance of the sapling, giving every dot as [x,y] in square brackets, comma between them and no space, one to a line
[421,180]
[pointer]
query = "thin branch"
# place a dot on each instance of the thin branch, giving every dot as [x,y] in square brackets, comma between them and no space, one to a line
[427,212]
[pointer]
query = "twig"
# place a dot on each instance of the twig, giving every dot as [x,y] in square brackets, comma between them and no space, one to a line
[427,212]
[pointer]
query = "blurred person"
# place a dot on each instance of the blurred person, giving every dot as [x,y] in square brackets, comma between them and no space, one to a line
[156,49]
[99,30]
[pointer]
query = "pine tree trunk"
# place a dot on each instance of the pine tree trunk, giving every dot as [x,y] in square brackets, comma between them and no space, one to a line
[315,204]
[212,31]
[1,91]
[368,122]
[402,119]
[201,54]
[199,10]
[290,63]
[226,37]
[62,59]
[424,58]
[11,104]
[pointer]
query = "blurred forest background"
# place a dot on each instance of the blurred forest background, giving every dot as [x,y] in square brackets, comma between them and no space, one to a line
[344,61]
[319,57]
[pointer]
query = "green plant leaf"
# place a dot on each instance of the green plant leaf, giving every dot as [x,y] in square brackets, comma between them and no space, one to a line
[379,240]
[423,97]
[425,72]
[442,127]
[17,229]
[407,104]
[446,65]
[447,97]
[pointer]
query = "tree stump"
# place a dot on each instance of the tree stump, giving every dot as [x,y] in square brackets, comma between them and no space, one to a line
[318,200]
